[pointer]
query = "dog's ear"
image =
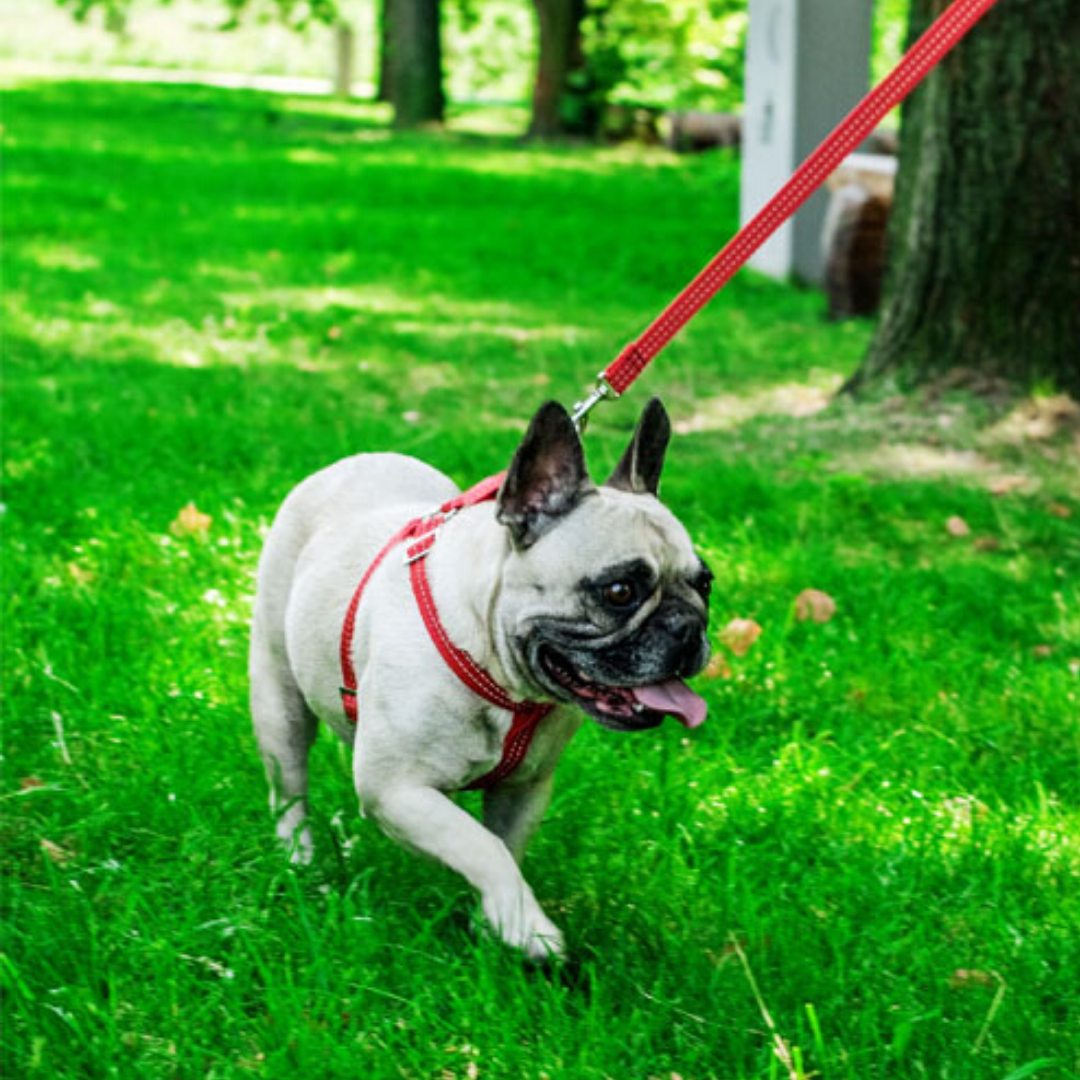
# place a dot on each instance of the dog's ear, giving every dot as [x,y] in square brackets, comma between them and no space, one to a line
[546,479]
[639,469]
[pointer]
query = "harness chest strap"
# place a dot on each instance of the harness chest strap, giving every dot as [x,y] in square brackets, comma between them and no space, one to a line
[421,533]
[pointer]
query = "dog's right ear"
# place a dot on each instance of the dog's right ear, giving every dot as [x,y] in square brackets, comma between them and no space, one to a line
[546,479]
[639,469]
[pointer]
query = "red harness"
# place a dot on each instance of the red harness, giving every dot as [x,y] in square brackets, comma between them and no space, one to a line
[420,534]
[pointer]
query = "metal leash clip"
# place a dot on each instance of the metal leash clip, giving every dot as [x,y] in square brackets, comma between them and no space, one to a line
[602,391]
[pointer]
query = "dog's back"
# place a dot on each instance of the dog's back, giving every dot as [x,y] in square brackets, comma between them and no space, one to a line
[331,526]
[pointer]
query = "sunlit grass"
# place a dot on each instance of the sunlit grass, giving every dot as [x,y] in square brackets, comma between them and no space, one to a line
[208,296]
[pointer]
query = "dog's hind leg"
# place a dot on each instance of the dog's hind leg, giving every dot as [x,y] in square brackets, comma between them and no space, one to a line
[285,728]
[513,812]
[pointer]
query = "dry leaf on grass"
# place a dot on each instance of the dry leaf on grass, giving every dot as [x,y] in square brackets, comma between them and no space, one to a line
[1059,510]
[814,604]
[1002,485]
[57,853]
[80,575]
[967,978]
[739,635]
[987,543]
[191,521]
[1042,651]
[717,667]
[28,783]
[957,526]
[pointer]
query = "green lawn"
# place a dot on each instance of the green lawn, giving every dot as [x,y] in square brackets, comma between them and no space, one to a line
[208,296]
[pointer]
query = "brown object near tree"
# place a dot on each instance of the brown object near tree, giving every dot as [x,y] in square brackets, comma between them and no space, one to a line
[412,69]
[855,260]
[984,237]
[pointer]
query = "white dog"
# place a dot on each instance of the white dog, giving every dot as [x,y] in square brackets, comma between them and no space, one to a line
[455,640]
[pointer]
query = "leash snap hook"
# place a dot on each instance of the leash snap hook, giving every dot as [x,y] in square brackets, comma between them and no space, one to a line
[602,391]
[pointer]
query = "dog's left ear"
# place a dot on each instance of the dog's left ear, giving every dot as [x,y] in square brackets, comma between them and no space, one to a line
[546,479]
[639,469]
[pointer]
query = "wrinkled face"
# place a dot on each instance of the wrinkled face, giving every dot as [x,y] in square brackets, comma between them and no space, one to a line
[608,610]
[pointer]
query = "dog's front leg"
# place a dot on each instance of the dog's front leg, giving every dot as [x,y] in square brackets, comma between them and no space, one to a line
[513,812]
[424,819]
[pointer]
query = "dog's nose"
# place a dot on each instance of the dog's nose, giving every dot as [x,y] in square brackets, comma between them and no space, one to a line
[690,646]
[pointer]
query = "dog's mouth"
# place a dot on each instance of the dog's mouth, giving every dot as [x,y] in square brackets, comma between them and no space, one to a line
[624,708]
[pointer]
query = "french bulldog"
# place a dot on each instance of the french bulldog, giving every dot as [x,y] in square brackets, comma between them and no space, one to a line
[587,599]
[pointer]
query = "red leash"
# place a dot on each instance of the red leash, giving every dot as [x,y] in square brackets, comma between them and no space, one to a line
[916,64]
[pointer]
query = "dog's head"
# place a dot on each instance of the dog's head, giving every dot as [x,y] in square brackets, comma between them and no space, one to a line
[604,601]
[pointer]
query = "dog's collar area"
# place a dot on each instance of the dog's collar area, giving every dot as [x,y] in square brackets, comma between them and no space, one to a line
[420,535]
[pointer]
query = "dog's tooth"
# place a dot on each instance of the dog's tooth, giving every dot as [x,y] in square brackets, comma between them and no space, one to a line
[638,707]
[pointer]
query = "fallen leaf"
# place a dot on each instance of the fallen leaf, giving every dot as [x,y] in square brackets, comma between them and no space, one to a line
[966,978]
[739,635]
[411,416]
[957,526]
[1059,510]
[55,852]
[80,574]
[28,783]
[987,543]
[964,809]
[1042,651]
[814,604]
[1002,485]
[334,333]
[717,667]
[191,521]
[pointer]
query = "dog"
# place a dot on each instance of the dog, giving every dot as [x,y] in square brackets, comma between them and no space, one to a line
[558,598]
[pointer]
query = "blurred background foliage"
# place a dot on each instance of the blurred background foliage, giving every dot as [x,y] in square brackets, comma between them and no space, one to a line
[681,54]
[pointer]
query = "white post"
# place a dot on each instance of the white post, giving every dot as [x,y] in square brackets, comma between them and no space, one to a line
[807,65]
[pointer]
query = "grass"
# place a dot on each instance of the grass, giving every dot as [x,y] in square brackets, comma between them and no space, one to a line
[208,296]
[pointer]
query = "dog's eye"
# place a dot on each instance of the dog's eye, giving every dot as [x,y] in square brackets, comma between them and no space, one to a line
[619,593]
[702,584]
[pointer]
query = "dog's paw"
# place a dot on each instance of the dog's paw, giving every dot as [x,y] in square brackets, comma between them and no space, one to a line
[522,924]
[545,947]
[297,842]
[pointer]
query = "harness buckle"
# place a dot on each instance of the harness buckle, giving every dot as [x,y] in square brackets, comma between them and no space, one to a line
[425,539]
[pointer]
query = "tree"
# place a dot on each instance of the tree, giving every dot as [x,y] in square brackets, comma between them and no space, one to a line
[560,64]
[412,75]
[985,235]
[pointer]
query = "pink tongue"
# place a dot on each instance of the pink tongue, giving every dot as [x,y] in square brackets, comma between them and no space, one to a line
[675,698]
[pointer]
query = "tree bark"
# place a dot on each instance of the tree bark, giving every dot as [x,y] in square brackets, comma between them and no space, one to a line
[560,56]
[386,15]
[984,265]
[344,47]
[415,62]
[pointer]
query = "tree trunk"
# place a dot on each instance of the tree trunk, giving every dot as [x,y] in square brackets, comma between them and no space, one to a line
[984,240]
[344,47]
[560,57]
[386,14]
[415,62]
